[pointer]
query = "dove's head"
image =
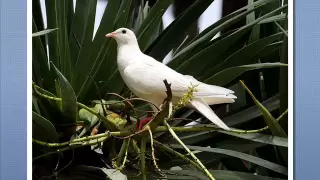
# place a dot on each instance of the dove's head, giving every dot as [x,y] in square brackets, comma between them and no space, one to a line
[123,36]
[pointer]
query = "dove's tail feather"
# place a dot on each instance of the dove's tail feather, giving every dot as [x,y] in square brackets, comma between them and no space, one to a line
[219,99]
[203,108]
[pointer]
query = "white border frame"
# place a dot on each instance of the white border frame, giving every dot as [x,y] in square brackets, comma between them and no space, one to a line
[290,90]
[29,90]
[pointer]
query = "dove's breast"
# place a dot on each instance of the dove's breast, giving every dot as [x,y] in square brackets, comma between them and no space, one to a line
[123,63]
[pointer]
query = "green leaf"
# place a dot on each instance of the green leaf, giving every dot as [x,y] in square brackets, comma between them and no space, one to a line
[205,36]
[270,120]
[90,120]
[69,15]
[68,97]
[84,64]
[135,22]
[250,17]
[47,108]
[281,28]
[158,8]
[245,54]
[112,105]
[36,10]
[271,104]
[255,33]
[44,32]
[107,69]
[262,138]
[192,67]
[43,129]
[78,27]
[261,162]
[101,49]
[236,144]
[87,172]
[235,119]
[114,173]
[279,17]
[144,38]
[45,92]
[65,61]
[123,14]
[208,56]
[35,105]
[168,39]
[106,26]
[53,39]
[40,63]
[115,84]
[225,76]
[150,24]
[283,87]
[268,50]
[145,10]
[218,175]
[283,90]
[58,92]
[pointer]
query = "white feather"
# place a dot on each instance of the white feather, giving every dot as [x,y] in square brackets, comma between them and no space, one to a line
[204,109]
[144,77]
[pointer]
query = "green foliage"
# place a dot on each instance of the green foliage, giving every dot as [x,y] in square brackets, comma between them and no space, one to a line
[79,69]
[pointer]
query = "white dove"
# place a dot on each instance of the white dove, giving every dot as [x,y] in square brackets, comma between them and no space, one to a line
[144,77]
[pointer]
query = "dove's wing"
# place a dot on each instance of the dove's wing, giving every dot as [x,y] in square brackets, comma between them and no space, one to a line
[148,78]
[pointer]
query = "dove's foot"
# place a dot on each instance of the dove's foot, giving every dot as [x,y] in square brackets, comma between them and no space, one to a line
[143,122]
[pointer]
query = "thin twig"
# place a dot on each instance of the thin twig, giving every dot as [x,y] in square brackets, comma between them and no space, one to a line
[188,150]
[75,141]
[143,158]
[168,90]
[125,155]
[71,147]
[130,99]
[153,154]
[122,151]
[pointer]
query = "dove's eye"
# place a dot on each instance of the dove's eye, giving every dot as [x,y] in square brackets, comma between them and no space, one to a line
[124,31]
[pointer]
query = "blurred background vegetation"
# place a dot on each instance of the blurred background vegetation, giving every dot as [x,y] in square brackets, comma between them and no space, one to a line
[77,69]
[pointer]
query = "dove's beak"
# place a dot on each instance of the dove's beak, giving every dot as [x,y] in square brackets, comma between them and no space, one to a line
[111,35]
